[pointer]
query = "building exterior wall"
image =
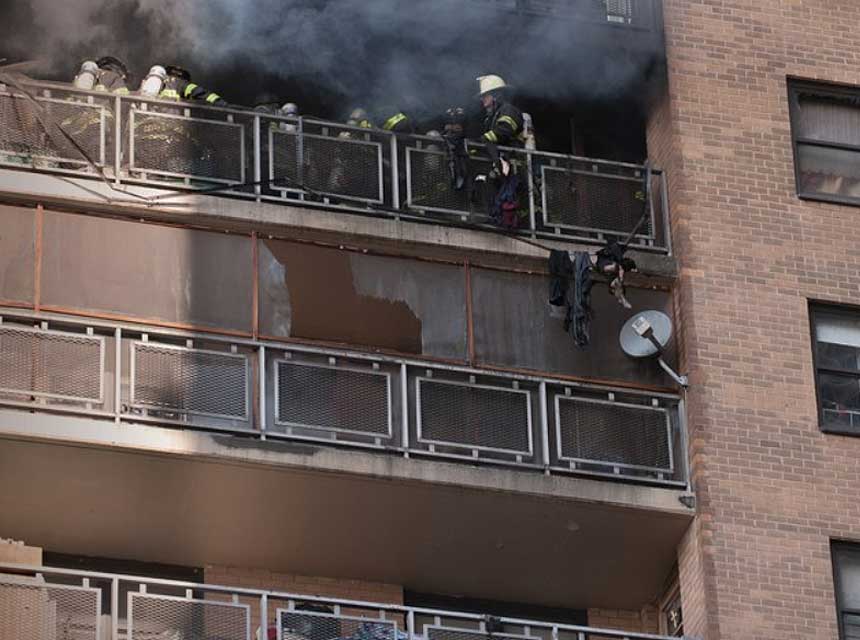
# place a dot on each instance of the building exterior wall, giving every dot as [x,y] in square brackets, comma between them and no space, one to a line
[644,621]
[304,585]
[772,489]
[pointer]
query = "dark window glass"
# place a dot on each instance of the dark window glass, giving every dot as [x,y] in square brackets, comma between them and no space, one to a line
[673,616]
[846,575]
[826,130]
[837,360]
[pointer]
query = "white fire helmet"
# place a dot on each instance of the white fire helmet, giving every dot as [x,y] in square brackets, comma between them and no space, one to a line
[290,109]
[490,83]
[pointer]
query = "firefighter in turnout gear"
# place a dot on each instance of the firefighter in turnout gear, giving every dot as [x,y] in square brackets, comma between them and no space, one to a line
[503,122]
[88,125]
[113,76]
[503,125]
[176,146]
[178,86]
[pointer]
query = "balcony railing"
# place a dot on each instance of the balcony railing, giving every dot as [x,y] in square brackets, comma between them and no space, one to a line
[58,604]
[129,140]
[412,408]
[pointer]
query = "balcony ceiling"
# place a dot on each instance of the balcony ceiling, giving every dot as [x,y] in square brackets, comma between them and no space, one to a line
[430,538]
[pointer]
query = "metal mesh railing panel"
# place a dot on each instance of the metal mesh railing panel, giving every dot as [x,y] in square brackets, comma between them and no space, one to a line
[332,398]
[165,618]
[450,633]
[606,432]
[430,183]
[190,381]
[285,169]
[299,625]
[195,148]
[474,416]
[51,364]
[22,135]
[30,611]
[343,167]
[579,199]
[619,11]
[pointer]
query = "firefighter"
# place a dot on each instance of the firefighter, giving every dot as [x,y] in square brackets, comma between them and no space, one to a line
[107,74]
[288,110]
[358,118]
[90,126]
[503,122]
[113,76]
[503,125]
[178,86]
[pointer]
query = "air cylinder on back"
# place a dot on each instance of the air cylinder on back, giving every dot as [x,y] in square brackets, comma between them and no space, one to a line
[86,78]
[153,82]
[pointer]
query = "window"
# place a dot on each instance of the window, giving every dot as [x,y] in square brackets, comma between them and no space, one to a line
[825,124]
[846,578]
[671,613]
[836,335]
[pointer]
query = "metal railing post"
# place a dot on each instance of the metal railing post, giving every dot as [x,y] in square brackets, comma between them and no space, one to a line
[258,159]
[544,426]
[664,202]
[395,174]
[264,617]
[684,441]
[117,375]
[117,143]
[410,624]
[114,609]
[529,167]
[300,153]
[261,357]
[404,408]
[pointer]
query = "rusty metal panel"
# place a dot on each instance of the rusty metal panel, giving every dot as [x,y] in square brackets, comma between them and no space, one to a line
[147,271]
[515,326]
[17,253]
[411,306]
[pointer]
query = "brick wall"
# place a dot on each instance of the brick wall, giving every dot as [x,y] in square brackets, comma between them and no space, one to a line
[644,621]
[375,592]
[305,585]
[772,489]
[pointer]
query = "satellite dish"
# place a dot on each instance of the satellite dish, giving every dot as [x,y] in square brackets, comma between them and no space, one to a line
[636,334]
[646,335]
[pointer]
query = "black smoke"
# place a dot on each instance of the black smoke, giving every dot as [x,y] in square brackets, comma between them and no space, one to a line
[332,55]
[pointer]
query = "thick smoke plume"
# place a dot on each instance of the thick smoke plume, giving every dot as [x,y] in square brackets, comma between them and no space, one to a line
[419,55]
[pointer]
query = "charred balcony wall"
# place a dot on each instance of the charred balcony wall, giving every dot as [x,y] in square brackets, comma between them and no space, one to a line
[144,323]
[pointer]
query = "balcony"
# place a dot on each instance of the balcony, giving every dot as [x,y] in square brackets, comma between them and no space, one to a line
[149,152]
[46,603]
[413,408]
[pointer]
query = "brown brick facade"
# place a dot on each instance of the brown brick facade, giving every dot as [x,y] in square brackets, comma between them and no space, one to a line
[772,489]
[374,592]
